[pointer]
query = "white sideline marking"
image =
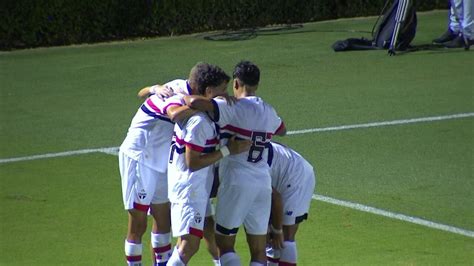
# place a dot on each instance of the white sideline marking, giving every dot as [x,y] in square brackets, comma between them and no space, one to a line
[113,150]
[383,123]
[397,216]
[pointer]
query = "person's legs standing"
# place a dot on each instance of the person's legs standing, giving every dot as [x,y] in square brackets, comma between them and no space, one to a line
[463,9]
[454,27]
[455,16]
[209,234]
[161,235]
[136,203]
[256,225]
[187,224]
[468,19]
[296,204]
[160,210]
[226,243]
[232,207]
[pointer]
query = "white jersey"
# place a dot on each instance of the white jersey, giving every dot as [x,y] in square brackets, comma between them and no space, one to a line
[200,134]
[149,135]
[287,167]
[253,119]
[294,178]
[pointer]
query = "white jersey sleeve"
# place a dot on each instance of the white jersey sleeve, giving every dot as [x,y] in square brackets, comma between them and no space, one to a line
[198,133]
[224,113]
[179,86]
[176,100]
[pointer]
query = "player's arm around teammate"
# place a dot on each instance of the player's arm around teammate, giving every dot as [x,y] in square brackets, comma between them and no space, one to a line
[190,175]
[196,160]
[180,113]
[209,106]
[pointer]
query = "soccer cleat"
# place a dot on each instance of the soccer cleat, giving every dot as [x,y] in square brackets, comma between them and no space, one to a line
[446,37]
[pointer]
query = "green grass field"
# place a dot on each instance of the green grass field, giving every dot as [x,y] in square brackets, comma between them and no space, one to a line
[68,211]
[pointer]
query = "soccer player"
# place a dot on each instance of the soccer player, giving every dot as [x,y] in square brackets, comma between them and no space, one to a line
[191,172]
[244,195]
[143,162]
[293,180]
[164,92]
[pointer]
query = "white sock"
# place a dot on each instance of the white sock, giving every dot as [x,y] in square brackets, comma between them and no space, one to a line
[216,262]
[133,253]
[273,256]
[175,260]
[288,253]
[161,244]
[230,259]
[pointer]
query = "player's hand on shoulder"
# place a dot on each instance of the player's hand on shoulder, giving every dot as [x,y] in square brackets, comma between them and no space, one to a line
[164,92]
[161,91]
[238,146]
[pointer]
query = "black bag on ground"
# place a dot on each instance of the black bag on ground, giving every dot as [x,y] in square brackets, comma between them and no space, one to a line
[384,32]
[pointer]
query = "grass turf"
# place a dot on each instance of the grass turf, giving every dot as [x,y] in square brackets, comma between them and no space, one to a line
[68,211]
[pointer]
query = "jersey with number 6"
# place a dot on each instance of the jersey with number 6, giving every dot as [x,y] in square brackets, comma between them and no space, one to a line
[253,119]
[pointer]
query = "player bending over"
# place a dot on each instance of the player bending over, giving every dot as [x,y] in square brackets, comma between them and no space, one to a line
[293,180]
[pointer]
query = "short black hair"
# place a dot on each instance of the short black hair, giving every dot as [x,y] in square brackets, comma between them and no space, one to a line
[247,72]
[209,75]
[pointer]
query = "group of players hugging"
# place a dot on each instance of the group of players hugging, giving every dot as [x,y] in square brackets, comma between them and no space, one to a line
[191,142]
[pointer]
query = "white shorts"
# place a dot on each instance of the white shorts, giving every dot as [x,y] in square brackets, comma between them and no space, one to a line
[247,205]
[141,185]
[187,218]
[297,199]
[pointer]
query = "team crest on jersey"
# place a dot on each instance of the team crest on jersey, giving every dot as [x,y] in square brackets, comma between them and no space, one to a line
[142,194]
[289,213]
[197,218]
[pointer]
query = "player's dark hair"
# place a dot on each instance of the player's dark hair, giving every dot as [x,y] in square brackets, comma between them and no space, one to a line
[208,75]
[247,72]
